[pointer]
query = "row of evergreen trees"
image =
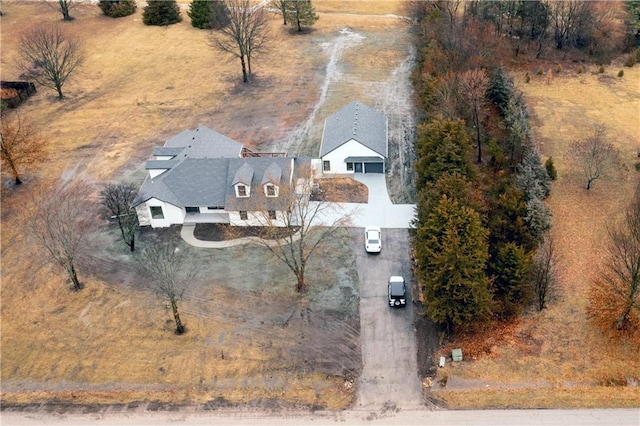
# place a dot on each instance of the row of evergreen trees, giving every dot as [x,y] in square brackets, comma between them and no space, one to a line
[478,223]
[205,14]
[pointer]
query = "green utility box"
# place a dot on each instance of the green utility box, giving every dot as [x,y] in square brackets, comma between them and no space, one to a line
[456,354]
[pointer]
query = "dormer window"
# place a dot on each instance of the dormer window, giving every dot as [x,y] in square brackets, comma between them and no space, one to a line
[270,190]
[242,190]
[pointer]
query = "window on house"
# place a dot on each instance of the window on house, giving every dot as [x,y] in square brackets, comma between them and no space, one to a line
[215,208]
[243,215]
[350,167]
[326,166]
[192,209]
[272,214]
[241,190]
[271,190]
[156,212]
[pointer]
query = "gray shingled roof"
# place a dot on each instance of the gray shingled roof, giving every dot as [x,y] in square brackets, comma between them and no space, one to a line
[194,182]
[207,181]
[355,121]
[257,198]
[204,143]
[167,151]
[272,174]
[244,174]
[160,164]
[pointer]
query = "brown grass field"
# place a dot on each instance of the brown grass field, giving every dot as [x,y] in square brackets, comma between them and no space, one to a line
[104,344]
[138,86]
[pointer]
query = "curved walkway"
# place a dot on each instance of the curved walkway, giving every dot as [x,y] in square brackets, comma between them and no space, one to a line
[378,211]
[187,234]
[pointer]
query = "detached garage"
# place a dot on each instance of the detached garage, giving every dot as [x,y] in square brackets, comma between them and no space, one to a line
[354,140]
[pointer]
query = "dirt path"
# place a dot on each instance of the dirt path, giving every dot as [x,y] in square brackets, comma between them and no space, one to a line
[334,49]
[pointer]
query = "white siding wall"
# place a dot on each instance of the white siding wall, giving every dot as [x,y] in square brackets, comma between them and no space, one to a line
[156,172]
[349,149]
[172,214]
[254,219]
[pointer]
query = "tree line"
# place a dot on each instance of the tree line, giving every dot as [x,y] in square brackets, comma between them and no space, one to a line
[482,247]
[480,179]
[539,26]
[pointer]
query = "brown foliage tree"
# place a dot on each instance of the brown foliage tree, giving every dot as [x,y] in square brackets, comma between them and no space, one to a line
[20,146]
[474,84]
[614,296]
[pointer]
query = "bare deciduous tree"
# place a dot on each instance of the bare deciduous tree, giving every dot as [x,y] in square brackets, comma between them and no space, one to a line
[474,84]
[118,199]
[594,155]
[614,297]
[544,272]
[245,34]
[58,221]
[165,269]
[293,228]
[63,6]
[20,146]
[49,56]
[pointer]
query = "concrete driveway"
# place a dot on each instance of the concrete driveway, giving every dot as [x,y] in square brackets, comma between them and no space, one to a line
[378,211]
[387,335]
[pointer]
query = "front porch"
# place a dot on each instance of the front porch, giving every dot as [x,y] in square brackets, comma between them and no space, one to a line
[193,218]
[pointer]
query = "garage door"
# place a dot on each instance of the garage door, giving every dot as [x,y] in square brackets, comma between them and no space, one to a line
[374,167]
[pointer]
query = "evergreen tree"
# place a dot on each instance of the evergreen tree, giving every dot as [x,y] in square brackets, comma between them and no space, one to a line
[281,6]
[453,185]
[442,146]
[510,270]
[501,89]
[161,12]
[506,212]
[117,8]
[200,14]
[300,12]
[452,253]
[208,14]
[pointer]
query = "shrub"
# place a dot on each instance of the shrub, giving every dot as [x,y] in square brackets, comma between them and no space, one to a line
[601,69]
[620,73]
[580,69]
[540,71]
[551,169]
[161,12]
[558,69]
[637,166]
[631,59]
[527,78]
[117,8]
